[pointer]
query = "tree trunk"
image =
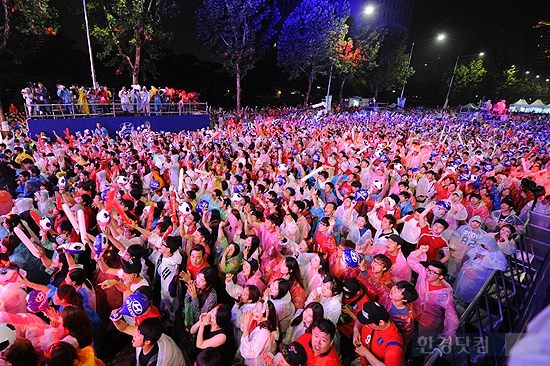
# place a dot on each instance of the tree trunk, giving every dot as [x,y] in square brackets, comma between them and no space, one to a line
[376,93]
[238,76]
[135,68]
[310,79]
[341,95]
[2,115]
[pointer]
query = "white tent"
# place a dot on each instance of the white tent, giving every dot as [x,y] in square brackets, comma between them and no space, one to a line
[519,106]
[537,106]
[546,109]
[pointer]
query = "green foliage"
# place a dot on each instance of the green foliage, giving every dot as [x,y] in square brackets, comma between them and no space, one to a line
[468,78]
[392,61]
[355,51]
[24,24]
[237,33]
[131,32]
[515,85]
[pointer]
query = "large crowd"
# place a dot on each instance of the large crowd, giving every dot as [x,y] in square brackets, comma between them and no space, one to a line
[278,238]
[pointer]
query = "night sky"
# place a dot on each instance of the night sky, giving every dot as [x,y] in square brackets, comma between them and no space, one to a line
[474,25]
[497,28]
[493,27]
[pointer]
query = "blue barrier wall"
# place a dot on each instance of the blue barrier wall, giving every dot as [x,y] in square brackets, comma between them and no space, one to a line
[171,123]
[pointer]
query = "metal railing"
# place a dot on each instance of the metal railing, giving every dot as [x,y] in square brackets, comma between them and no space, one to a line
[71,110]
[496,311]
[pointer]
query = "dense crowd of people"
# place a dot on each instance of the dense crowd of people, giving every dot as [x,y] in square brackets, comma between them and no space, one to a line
[283,237]
[99,100]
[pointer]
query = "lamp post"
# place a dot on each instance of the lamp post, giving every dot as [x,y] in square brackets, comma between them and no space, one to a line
[89,44]
[453,76]
[440,37]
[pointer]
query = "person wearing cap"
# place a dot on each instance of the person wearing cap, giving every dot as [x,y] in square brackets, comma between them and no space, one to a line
[435,309]
[432,236]
[400,270]
[506,215]
[462,240]
[319,344]
[376,337]
[352,303]
[483,259]
[292,354]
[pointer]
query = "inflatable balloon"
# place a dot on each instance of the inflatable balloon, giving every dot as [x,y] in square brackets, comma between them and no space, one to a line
[464,177]
[134,305]
[446,205]
[46,223]
[103,218]
[361,195]
[62,183]
[27,242]
[6,203]
[351,258]
[316,157]
[280,180]
[71,217]
[383,158]
[185,208]
[202,206]
[154,184]
[37,301]
[239,187]
[73,248]
[100,243]
[377,184]
[82,226]
[122,180]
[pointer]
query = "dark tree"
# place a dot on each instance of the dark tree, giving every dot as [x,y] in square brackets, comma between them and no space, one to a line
[237,33]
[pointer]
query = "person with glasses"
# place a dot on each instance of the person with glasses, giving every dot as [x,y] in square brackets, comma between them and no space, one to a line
[435,308]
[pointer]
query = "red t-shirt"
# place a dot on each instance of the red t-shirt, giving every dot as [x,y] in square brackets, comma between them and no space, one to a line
[434,242]
[329,358]
[194,270]
[386,345]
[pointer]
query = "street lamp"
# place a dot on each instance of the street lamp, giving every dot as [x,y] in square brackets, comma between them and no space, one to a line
[453,76]
[439,37]
[369,9]
[89,43]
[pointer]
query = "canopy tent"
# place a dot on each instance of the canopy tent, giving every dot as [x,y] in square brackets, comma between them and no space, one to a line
[537,106]
[470,106]
[519,106]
